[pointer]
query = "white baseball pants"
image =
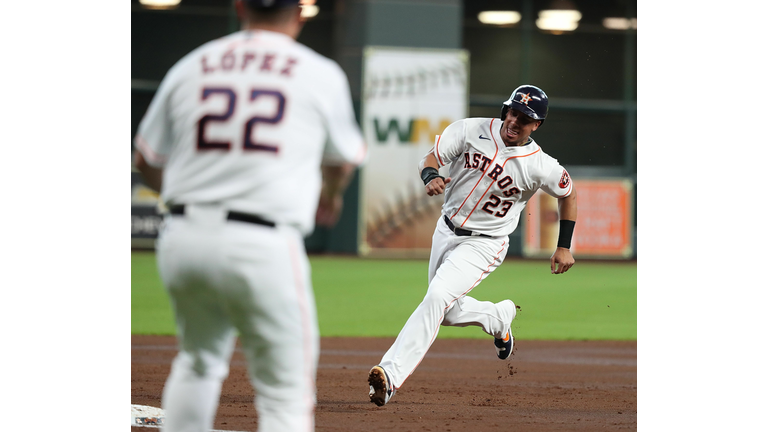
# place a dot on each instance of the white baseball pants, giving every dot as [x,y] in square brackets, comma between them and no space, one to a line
[456,266]
[227,278]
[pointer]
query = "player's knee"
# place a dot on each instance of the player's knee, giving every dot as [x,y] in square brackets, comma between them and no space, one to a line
[450,315]
[200,365]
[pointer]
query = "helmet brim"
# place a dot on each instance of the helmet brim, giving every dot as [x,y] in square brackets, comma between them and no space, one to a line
[523,109]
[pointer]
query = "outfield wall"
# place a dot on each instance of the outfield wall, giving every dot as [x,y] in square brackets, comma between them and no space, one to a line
[605,229]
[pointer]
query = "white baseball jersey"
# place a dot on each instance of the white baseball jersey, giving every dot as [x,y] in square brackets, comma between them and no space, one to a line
[243,121]
[490,182]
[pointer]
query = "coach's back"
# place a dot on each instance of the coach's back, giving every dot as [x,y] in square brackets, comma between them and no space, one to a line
[247,117]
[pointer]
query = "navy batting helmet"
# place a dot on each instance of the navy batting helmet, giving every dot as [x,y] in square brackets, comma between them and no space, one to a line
[528,99]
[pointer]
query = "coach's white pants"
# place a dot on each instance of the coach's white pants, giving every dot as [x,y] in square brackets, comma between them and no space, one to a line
[456,266]
[228,278]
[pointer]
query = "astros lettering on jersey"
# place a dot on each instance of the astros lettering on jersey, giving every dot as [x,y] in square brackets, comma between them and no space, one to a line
[490,182]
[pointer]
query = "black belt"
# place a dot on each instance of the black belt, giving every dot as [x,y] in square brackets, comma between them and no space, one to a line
[459,231]
[232,215]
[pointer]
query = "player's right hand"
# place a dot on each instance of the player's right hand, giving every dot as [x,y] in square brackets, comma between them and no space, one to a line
[436,186]
[329,210]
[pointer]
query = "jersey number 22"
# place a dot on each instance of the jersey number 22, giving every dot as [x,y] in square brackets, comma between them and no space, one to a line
[248,128]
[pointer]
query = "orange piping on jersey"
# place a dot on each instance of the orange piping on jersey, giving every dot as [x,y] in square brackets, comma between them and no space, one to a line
[434,335]
[248,40]
[147,151]
[305,317]
[482,176]
[437,152]
[489,186]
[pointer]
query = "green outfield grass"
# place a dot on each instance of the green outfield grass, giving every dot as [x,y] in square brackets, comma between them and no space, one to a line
[366,297]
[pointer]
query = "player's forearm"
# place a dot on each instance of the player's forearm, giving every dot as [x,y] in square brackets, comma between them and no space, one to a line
[567,207]
[336,178]
[153,177]
[428,161]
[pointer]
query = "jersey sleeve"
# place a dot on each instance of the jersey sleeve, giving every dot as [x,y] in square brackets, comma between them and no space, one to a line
[558,182]
[153,138]
[450,145]
[345,140]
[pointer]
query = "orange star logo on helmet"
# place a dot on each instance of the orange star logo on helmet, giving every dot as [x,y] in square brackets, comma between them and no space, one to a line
[525,98]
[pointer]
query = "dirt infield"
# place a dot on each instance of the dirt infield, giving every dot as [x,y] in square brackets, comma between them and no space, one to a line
[459,386]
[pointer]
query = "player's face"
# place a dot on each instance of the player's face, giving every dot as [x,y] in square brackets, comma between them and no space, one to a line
[517,127]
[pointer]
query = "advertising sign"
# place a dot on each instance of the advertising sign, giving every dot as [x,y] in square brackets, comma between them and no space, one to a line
[409,96]
[603,226]
[145,218]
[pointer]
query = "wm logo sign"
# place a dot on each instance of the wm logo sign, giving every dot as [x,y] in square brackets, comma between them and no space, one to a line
[410,132]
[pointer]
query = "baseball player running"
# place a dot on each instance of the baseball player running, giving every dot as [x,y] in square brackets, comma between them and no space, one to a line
[235,139]
[495,168]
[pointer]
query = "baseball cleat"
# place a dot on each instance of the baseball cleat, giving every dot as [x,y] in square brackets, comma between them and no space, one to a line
[382,388]
[504,346]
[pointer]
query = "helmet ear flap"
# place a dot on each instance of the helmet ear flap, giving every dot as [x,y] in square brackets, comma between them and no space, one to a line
[504,110]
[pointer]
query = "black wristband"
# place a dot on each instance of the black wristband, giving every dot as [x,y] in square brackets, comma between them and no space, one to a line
[566,233]
[428,174]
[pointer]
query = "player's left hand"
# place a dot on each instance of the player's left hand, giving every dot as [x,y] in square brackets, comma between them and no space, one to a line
[328,210]
[561,261]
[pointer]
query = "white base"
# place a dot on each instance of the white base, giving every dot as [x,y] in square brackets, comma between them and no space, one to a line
[142,415]
[151,417]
